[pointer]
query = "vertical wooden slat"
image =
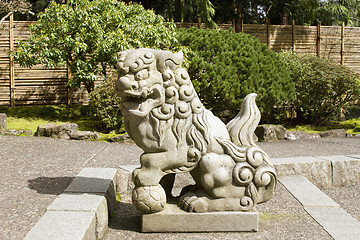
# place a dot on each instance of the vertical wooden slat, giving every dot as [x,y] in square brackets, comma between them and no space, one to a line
[199,22]
[242,25]
[342,42]
[12,66]
[69,92]
[318,39]
[293,36]
[268,32]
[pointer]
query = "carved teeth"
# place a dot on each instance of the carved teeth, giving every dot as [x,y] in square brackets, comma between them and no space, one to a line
[144,94]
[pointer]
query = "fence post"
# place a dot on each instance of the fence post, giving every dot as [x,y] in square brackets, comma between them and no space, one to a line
[293,36]
[318,39]
[69,92]
[268,32]
[199,22]
[342,42]
[12,65]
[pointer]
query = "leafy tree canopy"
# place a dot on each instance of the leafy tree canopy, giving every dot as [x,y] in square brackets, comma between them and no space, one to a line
[86,35]
[333,12]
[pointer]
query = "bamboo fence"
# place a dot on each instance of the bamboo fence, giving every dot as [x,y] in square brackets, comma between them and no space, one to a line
[41,85]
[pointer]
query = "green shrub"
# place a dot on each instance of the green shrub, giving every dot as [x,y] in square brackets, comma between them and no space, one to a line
[323,88]
[226,66]
[106,105]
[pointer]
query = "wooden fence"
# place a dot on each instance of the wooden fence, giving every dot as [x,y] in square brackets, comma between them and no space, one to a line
[40,85]
[31,86]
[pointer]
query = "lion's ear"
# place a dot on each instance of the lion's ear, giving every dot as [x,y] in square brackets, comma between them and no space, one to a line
[179,54]
[168,59]
[121,58]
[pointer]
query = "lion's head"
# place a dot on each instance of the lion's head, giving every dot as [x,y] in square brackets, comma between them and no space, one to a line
[144,79]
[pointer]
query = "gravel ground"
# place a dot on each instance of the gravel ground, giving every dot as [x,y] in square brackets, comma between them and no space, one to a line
[347,197]
[313,147]
[35,170]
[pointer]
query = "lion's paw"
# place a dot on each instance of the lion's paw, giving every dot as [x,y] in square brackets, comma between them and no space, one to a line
[194,202]
[149,199]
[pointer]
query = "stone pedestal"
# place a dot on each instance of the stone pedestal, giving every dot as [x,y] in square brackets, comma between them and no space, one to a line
[173,219]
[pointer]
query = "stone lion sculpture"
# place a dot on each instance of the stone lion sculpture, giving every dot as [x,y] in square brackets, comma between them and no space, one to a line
[165,117]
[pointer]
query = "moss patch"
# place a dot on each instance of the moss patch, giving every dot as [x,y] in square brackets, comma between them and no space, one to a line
[277,217]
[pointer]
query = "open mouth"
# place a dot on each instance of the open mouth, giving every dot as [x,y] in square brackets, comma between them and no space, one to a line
[141,103]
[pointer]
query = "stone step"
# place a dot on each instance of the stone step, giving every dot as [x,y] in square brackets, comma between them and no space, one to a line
[82,211]
[324,171]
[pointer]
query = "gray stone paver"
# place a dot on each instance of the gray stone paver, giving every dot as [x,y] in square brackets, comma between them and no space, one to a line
[355,156]
[347,197]
[64,225]
[306,192]
[84,203]
[338,223]
[337,158]
[335,220]
[93,180]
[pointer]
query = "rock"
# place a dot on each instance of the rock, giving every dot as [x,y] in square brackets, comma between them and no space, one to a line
[280,132]
[120,138]
[65,131]
[84,135]
[15,132]
[56,131]
[333,133]
[296,135]
[28,133]
[67,127]
[46,130]
[12,132]
[61,135]
[3,121]
[256,139]
[268,133]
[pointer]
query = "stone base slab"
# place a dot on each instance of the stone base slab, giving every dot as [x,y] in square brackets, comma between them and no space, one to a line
[173,219]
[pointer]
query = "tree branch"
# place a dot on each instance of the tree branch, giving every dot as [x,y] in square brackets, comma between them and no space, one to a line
[6,16]
[10,13]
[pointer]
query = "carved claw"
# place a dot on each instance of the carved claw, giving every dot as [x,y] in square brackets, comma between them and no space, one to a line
[191,202]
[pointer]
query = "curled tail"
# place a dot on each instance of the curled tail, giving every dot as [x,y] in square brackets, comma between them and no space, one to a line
[242,127]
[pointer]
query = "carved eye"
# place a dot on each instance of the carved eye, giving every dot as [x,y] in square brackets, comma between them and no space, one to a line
[141,75]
